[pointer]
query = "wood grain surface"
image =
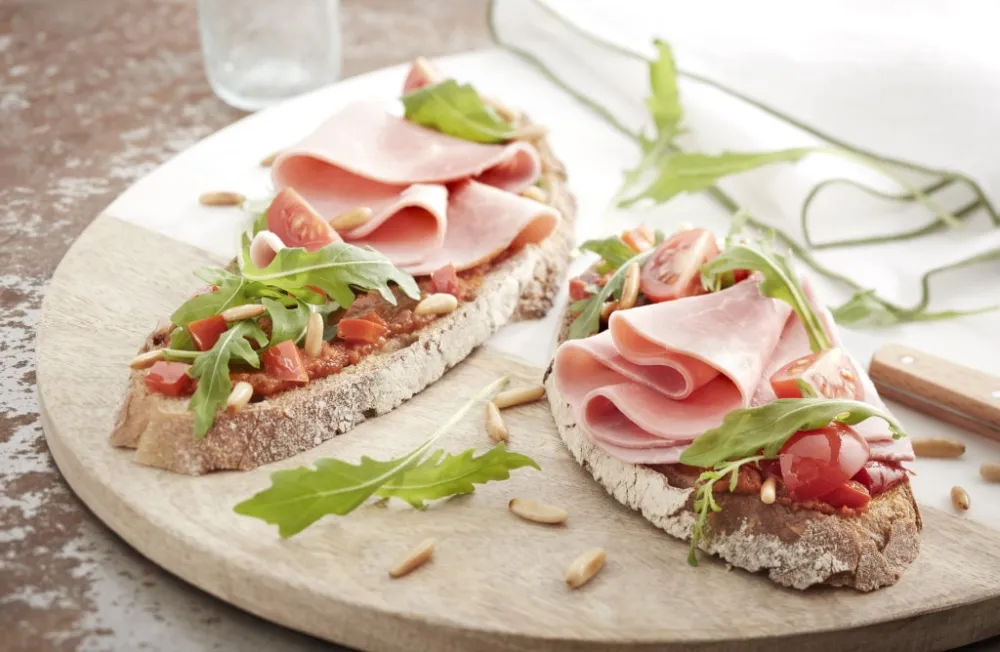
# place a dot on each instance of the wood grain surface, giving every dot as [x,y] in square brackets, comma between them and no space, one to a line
[495,582]
[94,95]
[951,392]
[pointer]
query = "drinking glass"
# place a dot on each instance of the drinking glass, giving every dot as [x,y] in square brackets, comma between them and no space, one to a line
[259,52]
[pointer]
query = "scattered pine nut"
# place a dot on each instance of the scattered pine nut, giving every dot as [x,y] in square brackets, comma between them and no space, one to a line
[314,335]
[240,396]
[247,311]
[495,427]
[147,359]
[530,132]
[437,304]
[518,396]
[585,567]
[630,287]
[607,309]
[960,499]
[768,490]
[534,192]
[268,160]
[352,219]
[990,471]
[221,199]
[537,512]
[413,559]
[938,447]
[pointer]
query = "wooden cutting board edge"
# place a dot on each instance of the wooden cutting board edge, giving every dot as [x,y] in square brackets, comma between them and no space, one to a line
[937,629]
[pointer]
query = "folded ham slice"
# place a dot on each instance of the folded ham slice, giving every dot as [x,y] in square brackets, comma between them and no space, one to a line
[664,373]
[365,156]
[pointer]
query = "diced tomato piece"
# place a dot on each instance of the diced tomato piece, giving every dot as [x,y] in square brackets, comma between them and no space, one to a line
[205,332]
[829,374]
[583,285]
[740,275]
[422,73]
[445,280]
[639,239]
[283,361]
[672,272]
[815,462]
[293,220]
[850,494]
[878,476]
[374,317]
[169,378]
[360,330]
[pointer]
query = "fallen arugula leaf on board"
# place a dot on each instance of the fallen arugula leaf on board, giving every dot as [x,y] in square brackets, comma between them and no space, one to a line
[297,498]
[778,282]
[588,321]
[456,110]
[453,475]
[336,269]
[764,429]
[211,368]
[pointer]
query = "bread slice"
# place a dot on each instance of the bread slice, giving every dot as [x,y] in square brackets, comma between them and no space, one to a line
[519,287]
[798,548]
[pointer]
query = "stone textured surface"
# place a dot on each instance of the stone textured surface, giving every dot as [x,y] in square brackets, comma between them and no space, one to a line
[93,95]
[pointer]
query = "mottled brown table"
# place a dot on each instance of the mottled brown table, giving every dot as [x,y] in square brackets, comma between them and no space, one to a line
[93,95]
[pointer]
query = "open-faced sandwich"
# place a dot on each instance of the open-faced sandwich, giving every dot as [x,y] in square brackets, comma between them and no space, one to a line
[393,247]
[708,390]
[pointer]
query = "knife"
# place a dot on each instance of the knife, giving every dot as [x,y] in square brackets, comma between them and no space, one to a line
[962,396]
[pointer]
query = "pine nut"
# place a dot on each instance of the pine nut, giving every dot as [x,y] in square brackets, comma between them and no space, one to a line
[607,309]
[630,287]
[537,512]
[768,490]
[534,192]
[413,559]
[518,396]
[585,567]
[147,359]
[239,313]
[530,132]
[221,199]
[437,304]
[240,396]
[495,427]
[990,471]
[268,160]
[960,499]
[938,447]
[352,219]
[314,335]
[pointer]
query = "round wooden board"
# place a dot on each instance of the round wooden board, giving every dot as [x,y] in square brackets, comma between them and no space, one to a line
[495,582]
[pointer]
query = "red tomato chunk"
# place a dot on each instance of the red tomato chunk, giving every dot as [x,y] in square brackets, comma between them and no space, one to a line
[169,378]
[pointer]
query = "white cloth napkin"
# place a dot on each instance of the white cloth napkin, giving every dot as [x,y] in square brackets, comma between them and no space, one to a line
[913,80]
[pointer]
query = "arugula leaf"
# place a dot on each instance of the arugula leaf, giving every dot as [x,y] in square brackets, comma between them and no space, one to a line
[612,251]
[215,275]
[704,498]
[335,269]
[683,172]
[181,340]
[588,321]
[297,498]
[455,474]
[764,429]
[232,291]
[664,102]
[211,368]
[457,111]
[287,323]
[779,282]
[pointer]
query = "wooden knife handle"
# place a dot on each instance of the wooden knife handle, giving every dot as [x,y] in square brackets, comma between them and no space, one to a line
[965,397]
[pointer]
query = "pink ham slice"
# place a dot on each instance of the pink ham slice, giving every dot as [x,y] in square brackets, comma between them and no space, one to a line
[484,221]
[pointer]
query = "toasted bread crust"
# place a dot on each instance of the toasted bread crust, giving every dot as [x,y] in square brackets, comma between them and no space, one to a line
[798,548]
[520,287]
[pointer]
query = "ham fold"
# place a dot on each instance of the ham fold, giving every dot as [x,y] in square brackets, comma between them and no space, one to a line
[425,211]
[664,373]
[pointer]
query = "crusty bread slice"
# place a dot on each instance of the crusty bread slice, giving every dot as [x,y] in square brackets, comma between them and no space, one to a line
[797,547]
[519,287]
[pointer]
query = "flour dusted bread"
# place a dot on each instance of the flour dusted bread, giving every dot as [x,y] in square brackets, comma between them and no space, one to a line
[520,286]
